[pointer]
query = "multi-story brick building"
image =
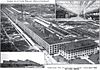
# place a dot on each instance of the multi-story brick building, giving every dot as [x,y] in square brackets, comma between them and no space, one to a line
[77,49]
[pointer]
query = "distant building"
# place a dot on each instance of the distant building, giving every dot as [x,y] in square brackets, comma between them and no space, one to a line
[21,63]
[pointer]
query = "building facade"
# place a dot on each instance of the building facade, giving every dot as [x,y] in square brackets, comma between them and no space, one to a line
[80,51]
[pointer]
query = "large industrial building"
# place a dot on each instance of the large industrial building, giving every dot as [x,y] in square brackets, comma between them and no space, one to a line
[81,48]
[55,39]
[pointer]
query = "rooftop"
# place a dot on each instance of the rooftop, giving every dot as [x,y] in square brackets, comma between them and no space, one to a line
[80,44]
[47,35]
[20,63]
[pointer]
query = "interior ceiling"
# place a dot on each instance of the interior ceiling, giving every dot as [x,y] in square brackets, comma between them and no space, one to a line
[79,6]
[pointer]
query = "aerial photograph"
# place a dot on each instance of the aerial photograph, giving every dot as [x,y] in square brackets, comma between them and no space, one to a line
[66,32]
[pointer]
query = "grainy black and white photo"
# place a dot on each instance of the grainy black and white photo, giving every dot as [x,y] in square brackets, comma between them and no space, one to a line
[63,33]
[22,60]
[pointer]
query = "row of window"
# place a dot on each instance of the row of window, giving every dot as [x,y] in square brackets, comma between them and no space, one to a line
[72,55]
[54,49]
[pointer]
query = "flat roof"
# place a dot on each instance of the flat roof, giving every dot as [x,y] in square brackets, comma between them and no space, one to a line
[55,28]
[52,39]
[20,62]
[60,30]
[80,44]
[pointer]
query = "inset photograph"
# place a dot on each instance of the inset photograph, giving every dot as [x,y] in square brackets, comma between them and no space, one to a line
[22,60]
